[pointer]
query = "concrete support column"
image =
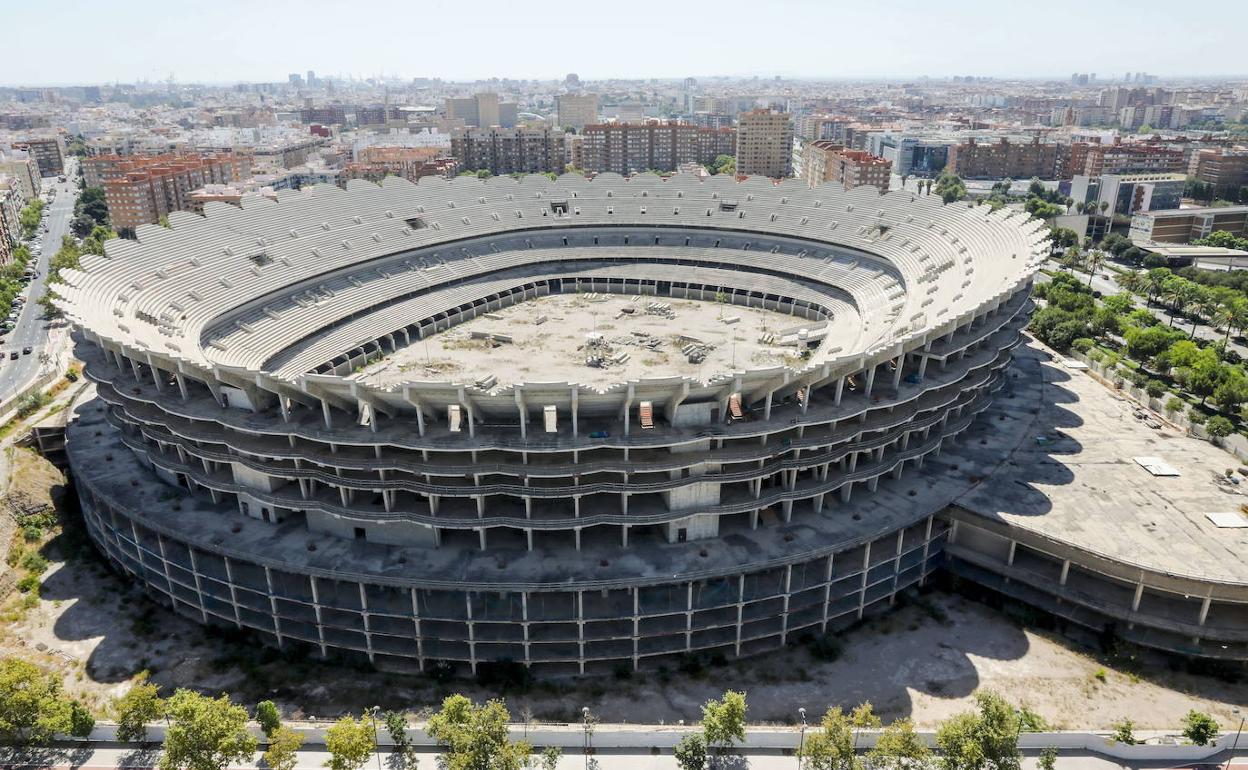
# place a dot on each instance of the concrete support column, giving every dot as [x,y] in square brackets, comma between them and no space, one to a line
[840,390]
[862,588]
[827,592]
[1009,560]
[1065,572]
[1204,610]
[870,381]
[1139,594]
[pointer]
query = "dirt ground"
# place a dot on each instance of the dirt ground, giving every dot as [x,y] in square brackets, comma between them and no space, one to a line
[556,350]
[923,661]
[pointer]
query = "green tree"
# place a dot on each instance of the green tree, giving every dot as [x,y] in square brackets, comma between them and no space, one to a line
[32,708]
[140,705]
[350,743]
[1124,732]
[476,736]
[1218,426]
[986,739]
[690,752]
[899,747]
[723,720]
[1199,728]
[205,733]
[81,720]
[831,747]
[396,725]
[283,750]
[268,717]
[950,187]
[1048,758]
[550,757]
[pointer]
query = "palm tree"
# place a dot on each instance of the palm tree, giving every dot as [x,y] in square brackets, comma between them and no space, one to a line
[1130,281]
[1174,292]
[1094,258]
[1203,305]
[1104,205]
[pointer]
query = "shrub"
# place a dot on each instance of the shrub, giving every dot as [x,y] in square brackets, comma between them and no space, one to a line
[29,585]
[1095,355]
[826,647]
[1174,405]
[1218,426]
[1199,728]
[268,717]
[1124,732]
[34,563]
[1155,388]
[1196,416]
[1082,345]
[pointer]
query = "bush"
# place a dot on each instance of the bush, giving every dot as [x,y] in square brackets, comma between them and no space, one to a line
[31,403]
[1195,416]
[826,647]
[268,717]
[1095,355]
[1124,732]
[1082,345]
[1218,426]
[1155,388]
[1199,728]
[1174,405]
[29,585]
[34,563]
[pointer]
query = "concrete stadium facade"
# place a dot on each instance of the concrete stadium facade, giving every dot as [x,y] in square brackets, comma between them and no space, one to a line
[231,462]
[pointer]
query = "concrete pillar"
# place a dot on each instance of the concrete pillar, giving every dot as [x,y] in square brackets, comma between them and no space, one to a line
[1065,572]
[1009,560]
[840,389]
[870,381]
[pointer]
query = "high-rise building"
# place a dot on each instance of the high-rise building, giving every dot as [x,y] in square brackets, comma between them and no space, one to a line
[311,79]
[47,153]
[1002,159]
[577,110]
[295,79]
[826,161]
[1133,158]
[141,190]
[22,166]
[764,143]
[629,148]
[1226,170]
[482,110]
[509,150]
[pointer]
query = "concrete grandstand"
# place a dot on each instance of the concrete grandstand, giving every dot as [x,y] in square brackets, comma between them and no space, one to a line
[651,405]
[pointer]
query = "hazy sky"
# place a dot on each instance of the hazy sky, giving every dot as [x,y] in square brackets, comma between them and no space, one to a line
[81,41]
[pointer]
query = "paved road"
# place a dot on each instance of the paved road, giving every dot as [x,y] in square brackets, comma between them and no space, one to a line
[32,329]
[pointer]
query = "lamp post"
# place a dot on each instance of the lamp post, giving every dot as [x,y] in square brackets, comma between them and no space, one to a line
[1235,745]
[372,714]
[585,728]
[801,741]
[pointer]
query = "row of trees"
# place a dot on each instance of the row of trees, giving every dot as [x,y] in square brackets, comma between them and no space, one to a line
[207,733]
[29,218]
[1073,319]
[90,212]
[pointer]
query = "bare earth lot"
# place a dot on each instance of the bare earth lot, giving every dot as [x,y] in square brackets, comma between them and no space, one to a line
[555,350]
[922,661]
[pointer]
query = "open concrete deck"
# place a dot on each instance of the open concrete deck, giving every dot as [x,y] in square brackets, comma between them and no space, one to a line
[556,349]
[1078,485]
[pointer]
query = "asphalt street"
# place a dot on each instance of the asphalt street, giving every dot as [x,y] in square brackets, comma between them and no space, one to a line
[31,328]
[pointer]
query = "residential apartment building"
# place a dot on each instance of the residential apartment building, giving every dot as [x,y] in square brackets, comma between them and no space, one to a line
[141,190]
[411,163]
[823,127]
[764,143]
[1133,158]
[328,115]
[509,150]
[23,167]
[1226,170]
[827,161]
[1003,159]
[98,170]
[482,110]
[47,153]
[629,148]
[11,202]
[1187,225]
[577,110]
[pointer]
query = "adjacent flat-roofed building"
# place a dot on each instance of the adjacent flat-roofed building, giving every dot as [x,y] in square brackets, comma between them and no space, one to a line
[826,161]
[47,153]
[1226,170]
[1002,159]
[141,190]
[577,110]
[1129,193]
[629,148]
[22,166]
[481,110]
[1133,158]
[764,143]
[1187,225]
[509,150]
[411,163]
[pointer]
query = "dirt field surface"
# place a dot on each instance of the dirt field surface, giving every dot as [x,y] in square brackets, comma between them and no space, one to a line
[923,660]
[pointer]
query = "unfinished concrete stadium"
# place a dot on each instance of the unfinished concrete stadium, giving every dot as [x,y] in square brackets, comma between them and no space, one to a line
[575,424]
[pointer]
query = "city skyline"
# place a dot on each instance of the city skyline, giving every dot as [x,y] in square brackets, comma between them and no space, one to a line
[914,40]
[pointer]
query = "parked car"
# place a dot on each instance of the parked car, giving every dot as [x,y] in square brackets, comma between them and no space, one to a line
[27,350]
[13,356]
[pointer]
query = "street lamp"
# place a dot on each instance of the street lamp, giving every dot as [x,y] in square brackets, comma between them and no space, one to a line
[801,742]
[372,714]
[585,728]
[1235,745]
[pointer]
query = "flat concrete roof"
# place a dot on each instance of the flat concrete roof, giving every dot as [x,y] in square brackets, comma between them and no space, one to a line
[651,332]
[1064,470]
